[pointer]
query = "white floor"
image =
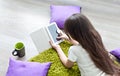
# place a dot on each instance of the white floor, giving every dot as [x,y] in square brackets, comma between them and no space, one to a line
[20,17]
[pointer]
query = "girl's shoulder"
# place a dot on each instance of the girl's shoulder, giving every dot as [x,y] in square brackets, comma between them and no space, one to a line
[78,46]
[77,49]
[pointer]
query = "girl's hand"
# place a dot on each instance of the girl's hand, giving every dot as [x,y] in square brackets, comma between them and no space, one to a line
[55,46]
[62,36]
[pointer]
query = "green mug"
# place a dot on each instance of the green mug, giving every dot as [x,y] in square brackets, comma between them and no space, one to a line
[19,50]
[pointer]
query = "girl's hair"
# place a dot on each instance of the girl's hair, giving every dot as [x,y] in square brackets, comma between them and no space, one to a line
[80,29]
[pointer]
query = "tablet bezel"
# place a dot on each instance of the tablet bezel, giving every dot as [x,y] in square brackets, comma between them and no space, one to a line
[49,33]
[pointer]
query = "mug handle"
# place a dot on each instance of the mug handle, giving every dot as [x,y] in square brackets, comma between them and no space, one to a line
[13,53]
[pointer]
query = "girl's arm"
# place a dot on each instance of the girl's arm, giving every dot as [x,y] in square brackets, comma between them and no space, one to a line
[62,56]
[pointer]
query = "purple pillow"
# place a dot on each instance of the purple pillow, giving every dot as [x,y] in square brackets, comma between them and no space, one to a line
[21,68]
[116,52]
[60,13]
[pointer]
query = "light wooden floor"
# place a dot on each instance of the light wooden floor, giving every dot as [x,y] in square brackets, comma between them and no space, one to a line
[19,17]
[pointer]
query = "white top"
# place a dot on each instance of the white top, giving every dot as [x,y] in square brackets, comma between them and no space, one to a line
[86,66]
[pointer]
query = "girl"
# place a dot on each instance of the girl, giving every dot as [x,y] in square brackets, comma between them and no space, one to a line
[87,50]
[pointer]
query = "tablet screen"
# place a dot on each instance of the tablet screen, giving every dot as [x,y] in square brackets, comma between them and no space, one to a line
[53,32]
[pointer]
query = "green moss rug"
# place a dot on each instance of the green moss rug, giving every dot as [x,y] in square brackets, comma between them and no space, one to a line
[57,68]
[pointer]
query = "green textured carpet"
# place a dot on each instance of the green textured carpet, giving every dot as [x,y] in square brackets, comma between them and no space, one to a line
[57,68]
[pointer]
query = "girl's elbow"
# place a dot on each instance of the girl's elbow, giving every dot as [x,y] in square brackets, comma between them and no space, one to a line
[68,66]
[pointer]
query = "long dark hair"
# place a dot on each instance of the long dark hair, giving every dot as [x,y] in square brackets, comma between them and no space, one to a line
[80,28]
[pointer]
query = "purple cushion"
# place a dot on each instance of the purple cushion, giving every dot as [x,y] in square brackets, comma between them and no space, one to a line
[20,68]
[116,52]
[60,13]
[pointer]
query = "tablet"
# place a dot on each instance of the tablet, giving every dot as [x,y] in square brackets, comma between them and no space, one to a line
[54,32]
